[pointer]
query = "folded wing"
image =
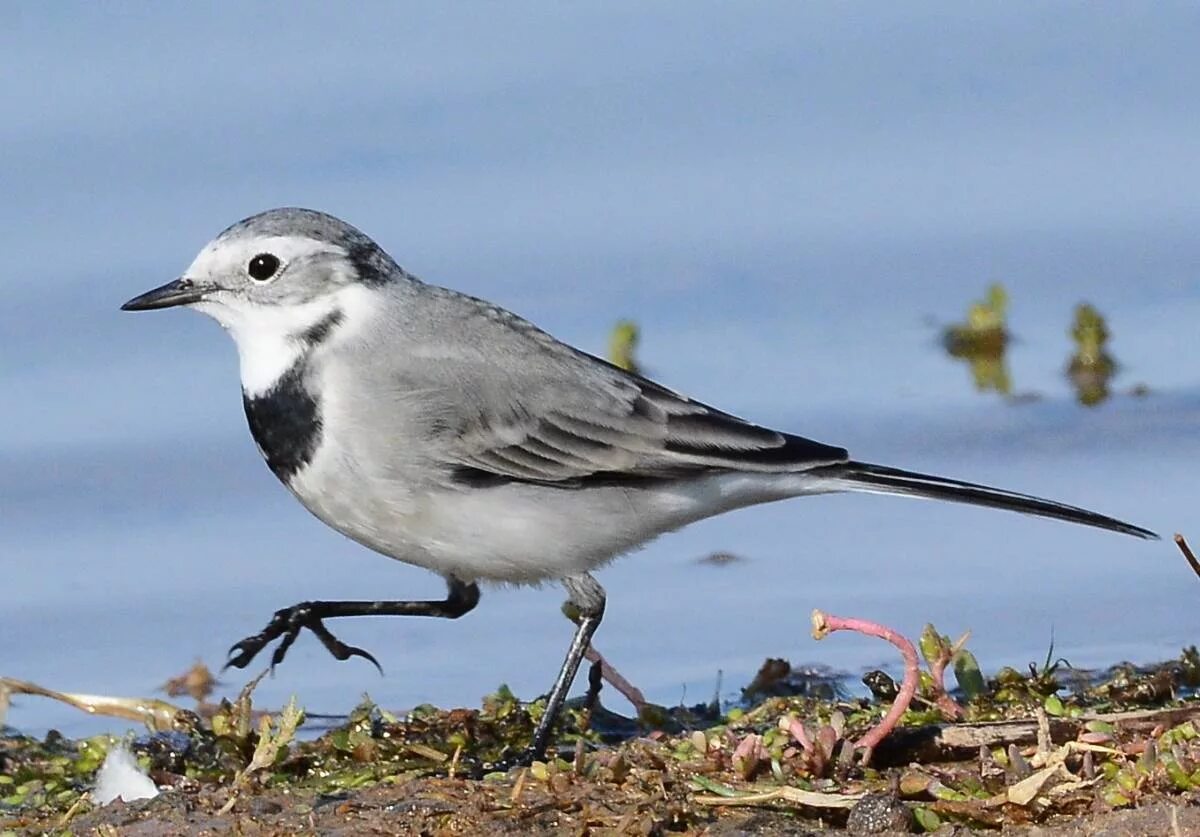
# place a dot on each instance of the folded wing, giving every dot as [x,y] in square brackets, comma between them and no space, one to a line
[612,425]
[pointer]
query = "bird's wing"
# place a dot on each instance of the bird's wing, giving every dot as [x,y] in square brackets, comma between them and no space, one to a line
[585,420]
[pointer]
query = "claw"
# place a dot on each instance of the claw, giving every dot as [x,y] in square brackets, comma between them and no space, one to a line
[245,652]
[284,644]
[339,649]
[286,625]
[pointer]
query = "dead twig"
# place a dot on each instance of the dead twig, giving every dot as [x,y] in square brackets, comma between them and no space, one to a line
[157,715]
[1043,729]
[1187,553]
[961,742]
[626,689]
[796,796]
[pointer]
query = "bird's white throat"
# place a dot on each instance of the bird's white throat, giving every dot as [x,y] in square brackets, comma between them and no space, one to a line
[270,338]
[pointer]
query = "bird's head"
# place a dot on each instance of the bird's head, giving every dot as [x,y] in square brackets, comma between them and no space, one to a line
[279,259]
[279,282]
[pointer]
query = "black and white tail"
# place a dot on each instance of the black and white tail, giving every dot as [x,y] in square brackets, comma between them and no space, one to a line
[877,479]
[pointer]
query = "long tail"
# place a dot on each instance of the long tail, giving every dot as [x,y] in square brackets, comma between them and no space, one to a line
[862,476]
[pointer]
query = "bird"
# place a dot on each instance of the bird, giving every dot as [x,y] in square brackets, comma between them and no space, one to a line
[447,432]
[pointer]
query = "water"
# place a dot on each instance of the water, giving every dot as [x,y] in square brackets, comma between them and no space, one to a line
[788,206]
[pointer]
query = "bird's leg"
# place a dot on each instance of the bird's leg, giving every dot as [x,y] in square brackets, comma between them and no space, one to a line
[615,679]
[287,623]
[587,596]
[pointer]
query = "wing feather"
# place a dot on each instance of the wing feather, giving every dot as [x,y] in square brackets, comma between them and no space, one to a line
[632,430]
[514,403]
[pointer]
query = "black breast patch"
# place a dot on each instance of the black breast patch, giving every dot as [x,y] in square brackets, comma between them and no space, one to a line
[286,423]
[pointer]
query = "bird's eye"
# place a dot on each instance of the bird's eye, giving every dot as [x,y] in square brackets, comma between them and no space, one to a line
[262,267]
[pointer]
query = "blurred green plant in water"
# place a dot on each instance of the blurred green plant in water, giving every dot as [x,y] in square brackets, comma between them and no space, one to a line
[622,346]
[1091,367]
[982,341]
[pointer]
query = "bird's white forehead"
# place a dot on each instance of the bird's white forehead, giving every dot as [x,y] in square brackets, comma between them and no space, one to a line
[223,255]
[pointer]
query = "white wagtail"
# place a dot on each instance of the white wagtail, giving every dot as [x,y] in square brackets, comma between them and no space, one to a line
[447,432]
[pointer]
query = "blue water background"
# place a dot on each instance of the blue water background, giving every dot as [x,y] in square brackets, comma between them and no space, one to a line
[790,199]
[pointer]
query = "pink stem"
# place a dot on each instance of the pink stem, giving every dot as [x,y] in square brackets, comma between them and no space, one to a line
[798,732]
[948,705]
[823,624]
[630,692]
[749,752]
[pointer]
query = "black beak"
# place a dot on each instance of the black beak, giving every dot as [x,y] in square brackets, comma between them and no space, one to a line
[179,292]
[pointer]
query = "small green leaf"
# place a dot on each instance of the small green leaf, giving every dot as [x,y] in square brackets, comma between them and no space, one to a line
[1178,775]
[1185,731]
[340,739]
[933,645]
[940,791]
[1054,706]
[966,672]
[1116,799]
[927,820]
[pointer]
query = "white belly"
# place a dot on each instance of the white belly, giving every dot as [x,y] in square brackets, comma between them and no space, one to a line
[517,532]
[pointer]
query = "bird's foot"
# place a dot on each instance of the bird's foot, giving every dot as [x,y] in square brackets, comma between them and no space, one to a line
[287,623]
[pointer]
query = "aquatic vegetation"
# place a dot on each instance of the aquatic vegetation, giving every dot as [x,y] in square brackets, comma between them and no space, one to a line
[622,345]
[1019,747]
[1091,367]
[985,330]
[982,341]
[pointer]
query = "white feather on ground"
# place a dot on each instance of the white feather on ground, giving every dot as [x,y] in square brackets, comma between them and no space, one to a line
[120,777]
